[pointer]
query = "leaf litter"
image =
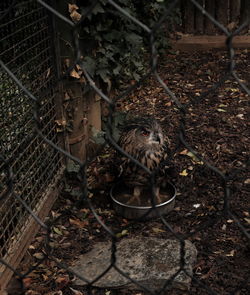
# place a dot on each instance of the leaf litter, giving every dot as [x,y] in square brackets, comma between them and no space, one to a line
[220,137]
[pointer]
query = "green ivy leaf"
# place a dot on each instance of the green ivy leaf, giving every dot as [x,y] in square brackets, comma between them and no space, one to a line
[89,64]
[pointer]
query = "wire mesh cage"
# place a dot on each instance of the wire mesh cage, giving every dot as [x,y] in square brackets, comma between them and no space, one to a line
[27,50]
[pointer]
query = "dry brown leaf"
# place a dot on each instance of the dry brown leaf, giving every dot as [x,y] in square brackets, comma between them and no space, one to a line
[78,222]
[27,282]
[75,16]
[62,281]
[72,7]
[38,255]
[168,104]
[59,123]
[184,152]
[76,292]
[158,230]
[45,278]
[74,74]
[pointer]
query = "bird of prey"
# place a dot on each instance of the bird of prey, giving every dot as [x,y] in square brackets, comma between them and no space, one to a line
[144,140]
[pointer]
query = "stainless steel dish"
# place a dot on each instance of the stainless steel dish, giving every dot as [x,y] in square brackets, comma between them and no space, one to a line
[135,212]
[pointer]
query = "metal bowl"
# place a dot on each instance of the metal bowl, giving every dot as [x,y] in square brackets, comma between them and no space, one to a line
[135,212]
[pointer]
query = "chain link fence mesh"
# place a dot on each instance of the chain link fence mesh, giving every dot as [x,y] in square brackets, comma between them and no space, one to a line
[31,154]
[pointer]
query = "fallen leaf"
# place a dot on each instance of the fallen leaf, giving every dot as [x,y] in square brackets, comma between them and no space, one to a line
[224,227]
[45,278]
[241,116]
[59,123]
[62,281]
[65,245]
[32,292]
[75,16]
[194,158]
[122,234]
[57,231]
[158,230]
[184,152]
[74,74]
[184,173]
[231,253]
[38,255]
[27,282]
[76,292]
[72,7]
[78,222]
[168,104]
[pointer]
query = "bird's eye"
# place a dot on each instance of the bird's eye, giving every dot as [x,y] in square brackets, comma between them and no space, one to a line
[145,133]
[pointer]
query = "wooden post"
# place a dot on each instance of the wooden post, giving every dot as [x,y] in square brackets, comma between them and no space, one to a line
[188,10]
[234,11]
[76,108]
[210,8]
[58,100]
[199,18]
[245,13]
[94,116]
[221,12]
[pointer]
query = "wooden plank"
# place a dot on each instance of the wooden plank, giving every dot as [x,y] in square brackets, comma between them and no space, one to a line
[194,43]
[29,230]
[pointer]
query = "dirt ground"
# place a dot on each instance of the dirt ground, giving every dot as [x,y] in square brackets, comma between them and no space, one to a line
[217,128]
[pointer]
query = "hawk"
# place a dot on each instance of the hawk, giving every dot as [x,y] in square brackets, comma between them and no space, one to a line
[143,139]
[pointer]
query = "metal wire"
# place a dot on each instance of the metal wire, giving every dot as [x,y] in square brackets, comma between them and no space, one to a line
[42,135]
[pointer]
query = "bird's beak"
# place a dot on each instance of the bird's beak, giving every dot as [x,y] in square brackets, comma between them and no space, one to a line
[157,138]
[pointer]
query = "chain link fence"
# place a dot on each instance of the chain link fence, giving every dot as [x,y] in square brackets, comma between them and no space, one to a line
[31,153]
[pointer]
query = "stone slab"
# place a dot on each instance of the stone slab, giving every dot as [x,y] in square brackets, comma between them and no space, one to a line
[149,261]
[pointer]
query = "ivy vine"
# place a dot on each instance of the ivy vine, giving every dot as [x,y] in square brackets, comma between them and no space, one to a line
[114,46]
